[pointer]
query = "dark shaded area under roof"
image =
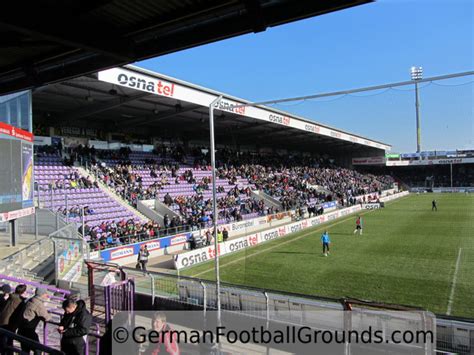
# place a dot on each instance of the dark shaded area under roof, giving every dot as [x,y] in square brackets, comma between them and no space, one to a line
[86,102]
[43,42]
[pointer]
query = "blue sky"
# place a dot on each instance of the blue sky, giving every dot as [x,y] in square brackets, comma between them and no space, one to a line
[368,45]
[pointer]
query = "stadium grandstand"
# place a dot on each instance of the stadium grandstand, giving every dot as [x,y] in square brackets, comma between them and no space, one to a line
[106,199]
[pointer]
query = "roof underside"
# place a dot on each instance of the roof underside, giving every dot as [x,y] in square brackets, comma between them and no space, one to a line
[90,103]
[44,42]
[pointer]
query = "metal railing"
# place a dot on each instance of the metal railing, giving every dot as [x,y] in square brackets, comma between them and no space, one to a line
[454,335]
[31,344]
[119,296]
[96,245]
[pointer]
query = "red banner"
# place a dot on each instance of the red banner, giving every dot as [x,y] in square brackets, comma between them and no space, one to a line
[15,132]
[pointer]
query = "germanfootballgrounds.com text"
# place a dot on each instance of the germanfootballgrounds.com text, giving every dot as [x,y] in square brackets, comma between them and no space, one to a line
[290,335]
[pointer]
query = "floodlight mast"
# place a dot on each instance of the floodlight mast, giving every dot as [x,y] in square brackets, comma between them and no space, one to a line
[417,75]
[214,206]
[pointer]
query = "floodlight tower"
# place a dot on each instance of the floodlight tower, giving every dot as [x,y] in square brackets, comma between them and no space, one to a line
[416,75]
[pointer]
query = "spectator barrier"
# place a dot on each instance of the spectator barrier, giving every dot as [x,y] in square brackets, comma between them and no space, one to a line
[126,254]
[466,189]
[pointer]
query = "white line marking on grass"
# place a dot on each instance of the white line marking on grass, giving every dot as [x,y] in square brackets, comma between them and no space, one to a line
[326,226]
[453,285]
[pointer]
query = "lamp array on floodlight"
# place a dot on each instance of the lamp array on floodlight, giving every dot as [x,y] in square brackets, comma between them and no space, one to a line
[416,73]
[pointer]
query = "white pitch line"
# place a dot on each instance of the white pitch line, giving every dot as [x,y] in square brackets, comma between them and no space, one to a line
[267,249]
[453,285]
[324,226]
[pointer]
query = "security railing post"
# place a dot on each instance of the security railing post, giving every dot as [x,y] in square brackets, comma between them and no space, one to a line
[204,292]
[267,316]
[67,207]
[107,303]
[45,333]
[152,288]
[36,222]
[97,336]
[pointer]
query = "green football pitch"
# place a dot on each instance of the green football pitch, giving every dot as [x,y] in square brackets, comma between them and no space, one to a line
[407,255]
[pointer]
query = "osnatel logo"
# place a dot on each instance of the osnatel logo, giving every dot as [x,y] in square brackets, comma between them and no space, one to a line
[158,87]
[227,106]
[279,119]
[311,128]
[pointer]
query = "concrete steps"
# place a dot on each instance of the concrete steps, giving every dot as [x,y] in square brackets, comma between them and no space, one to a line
[86,173]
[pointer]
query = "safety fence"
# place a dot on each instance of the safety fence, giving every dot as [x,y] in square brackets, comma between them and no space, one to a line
[452,335]
[49,337]
[119,296]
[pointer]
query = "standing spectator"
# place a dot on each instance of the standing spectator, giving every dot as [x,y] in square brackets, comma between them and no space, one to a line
[143,255]
[225,234]
[209,238]
[13,302]
[74,327]
[220,236]
[34,312]
[6,290]
[14,305]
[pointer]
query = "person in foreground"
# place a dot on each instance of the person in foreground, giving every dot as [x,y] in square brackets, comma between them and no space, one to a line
[167,341]
[325,240]
[74,327]
[35,311]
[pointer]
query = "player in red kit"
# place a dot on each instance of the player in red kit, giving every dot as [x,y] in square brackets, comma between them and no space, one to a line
[358,225]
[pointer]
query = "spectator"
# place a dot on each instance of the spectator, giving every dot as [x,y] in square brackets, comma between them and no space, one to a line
[13,302]
[167,342]
[34,312]
[9,316]
[143,255]
[5,294]
[74,327]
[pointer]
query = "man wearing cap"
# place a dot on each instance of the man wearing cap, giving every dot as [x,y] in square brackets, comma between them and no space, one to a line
[34,312]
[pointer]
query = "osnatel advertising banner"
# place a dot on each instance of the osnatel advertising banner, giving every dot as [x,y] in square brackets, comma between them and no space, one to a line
[371,206]
[157,86]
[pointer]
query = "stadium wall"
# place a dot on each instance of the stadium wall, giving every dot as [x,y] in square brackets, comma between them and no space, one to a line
[467,189]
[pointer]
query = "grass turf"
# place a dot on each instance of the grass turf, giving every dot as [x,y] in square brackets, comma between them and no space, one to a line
[406,255]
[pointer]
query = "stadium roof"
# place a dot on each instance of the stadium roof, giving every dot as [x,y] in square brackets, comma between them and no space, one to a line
[134,100]
[44,42]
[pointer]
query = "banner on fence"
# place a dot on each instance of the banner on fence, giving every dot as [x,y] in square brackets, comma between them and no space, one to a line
[131,250]
[198,256]
[371,206]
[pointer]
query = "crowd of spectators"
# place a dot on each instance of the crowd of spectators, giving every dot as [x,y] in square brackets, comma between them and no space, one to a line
[295,181]
[72,181]
[115,233]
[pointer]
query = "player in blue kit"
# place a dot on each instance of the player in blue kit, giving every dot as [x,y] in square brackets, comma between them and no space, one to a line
[325,240]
